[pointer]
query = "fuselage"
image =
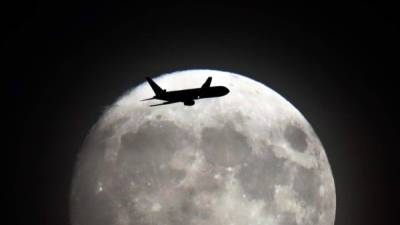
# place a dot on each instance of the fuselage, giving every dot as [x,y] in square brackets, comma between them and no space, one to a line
[192,94]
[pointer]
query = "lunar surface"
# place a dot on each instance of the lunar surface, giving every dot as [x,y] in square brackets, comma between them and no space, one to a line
[247,158]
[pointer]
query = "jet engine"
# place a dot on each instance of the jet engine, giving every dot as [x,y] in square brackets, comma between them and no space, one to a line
[188,102]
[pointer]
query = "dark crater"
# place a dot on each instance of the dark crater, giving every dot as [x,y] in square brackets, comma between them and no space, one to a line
[144,155]
[296,137]
[306,184]
[261,174]
[224,146]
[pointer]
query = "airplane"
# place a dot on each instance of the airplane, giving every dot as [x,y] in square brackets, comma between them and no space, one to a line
[187,96]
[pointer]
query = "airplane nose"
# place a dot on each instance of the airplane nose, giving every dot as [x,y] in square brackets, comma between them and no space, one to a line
[226,90]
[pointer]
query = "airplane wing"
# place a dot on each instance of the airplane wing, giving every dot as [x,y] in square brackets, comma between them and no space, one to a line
[207,83]
[164,103]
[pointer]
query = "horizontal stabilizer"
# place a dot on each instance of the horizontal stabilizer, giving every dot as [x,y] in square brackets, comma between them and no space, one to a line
[148,99]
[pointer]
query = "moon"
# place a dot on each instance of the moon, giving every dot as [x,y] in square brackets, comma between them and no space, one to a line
[247,158]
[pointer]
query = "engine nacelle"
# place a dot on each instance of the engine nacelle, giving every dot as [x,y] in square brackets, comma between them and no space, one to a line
[188,102]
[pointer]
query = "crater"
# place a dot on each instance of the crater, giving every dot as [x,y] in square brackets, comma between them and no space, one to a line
[287,218]
[296,137]
[224,146]
[183,209]
[306,184]
[258,176]
[144,155]
[108,131]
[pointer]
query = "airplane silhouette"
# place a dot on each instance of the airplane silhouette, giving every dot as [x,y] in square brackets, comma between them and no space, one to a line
[187,96]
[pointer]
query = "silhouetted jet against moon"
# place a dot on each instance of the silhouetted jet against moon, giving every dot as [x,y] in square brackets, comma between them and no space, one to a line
[187,96]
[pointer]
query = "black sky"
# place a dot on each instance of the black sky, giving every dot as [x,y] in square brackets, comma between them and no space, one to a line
[66,62]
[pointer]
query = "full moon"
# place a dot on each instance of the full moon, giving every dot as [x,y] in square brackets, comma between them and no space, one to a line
[247,158]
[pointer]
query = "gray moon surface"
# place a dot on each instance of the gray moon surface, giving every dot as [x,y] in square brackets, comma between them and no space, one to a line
[247,158]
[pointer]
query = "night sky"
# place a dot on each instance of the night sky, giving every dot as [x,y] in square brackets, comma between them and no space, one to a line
[65,63]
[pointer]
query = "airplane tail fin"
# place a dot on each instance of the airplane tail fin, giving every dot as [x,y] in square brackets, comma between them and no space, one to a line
[207,83]
[157,89]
